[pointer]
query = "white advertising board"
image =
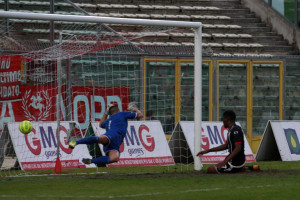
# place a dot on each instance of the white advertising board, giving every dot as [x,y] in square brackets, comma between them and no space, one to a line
[280,141]
[145,144]
[213,134]
[38,149]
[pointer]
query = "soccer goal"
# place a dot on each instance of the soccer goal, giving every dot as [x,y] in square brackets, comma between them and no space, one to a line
[60,72]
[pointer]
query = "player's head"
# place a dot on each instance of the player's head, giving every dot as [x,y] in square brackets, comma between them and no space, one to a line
[113,110]
[228,118]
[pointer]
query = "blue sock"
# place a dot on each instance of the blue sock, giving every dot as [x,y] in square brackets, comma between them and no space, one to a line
[88,140]
[101,160]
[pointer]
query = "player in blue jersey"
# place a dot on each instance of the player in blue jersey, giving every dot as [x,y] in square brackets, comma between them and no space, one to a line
[116,128]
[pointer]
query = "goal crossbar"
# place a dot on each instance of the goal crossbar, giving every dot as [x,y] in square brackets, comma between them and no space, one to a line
[96,19]
[196,26]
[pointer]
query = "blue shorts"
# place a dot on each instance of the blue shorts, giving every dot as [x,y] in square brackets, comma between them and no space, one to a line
[115,141]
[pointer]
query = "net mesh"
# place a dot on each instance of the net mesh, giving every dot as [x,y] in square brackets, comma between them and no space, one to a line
[100,65]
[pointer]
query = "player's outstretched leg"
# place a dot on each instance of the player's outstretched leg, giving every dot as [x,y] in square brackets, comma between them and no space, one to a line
[87,140]
[112,156]
[102,160]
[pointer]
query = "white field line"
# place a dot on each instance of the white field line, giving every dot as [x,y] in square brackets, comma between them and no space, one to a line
[130,195]
[62,174]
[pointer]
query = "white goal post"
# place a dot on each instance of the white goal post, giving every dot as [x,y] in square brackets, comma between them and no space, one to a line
[196,26]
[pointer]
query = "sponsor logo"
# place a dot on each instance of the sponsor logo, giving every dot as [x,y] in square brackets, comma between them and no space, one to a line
[45,139]
[215,136]
[293,141]
[35,145]
[138,141]
[137,151]
[146,139]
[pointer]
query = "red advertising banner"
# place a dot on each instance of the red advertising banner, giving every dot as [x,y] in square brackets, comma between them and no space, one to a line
[38,103]
[10,77]
[91,102]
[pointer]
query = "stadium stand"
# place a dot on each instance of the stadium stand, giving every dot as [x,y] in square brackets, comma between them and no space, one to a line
[228,27]
[233,28]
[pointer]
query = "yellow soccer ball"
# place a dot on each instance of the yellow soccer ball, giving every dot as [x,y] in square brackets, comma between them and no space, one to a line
[25,127]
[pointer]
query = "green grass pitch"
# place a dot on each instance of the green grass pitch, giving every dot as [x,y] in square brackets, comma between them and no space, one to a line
[277,180]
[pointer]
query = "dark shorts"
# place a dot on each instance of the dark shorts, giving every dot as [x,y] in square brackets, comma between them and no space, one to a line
[230,169]
[115,141]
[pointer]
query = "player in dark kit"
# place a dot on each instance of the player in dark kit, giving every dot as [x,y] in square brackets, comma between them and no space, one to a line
[116,128]
[235,161]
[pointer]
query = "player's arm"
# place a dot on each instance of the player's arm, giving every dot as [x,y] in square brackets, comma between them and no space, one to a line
[103,119]
[237,149]
[133,108]
[139,114]
[105,115]
[218,148]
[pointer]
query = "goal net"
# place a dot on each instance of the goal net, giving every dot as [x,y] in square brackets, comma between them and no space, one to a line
[66,76]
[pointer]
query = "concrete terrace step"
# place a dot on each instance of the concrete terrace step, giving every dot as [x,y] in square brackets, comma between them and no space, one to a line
[229,40]
[273,38]
[279,53]
[245,20]
[272,43]
[267,33]
[219,3]
[250,15]
[252,25]
[278,48]
[245,40]
[252,30]
[179,9]
[234,11]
